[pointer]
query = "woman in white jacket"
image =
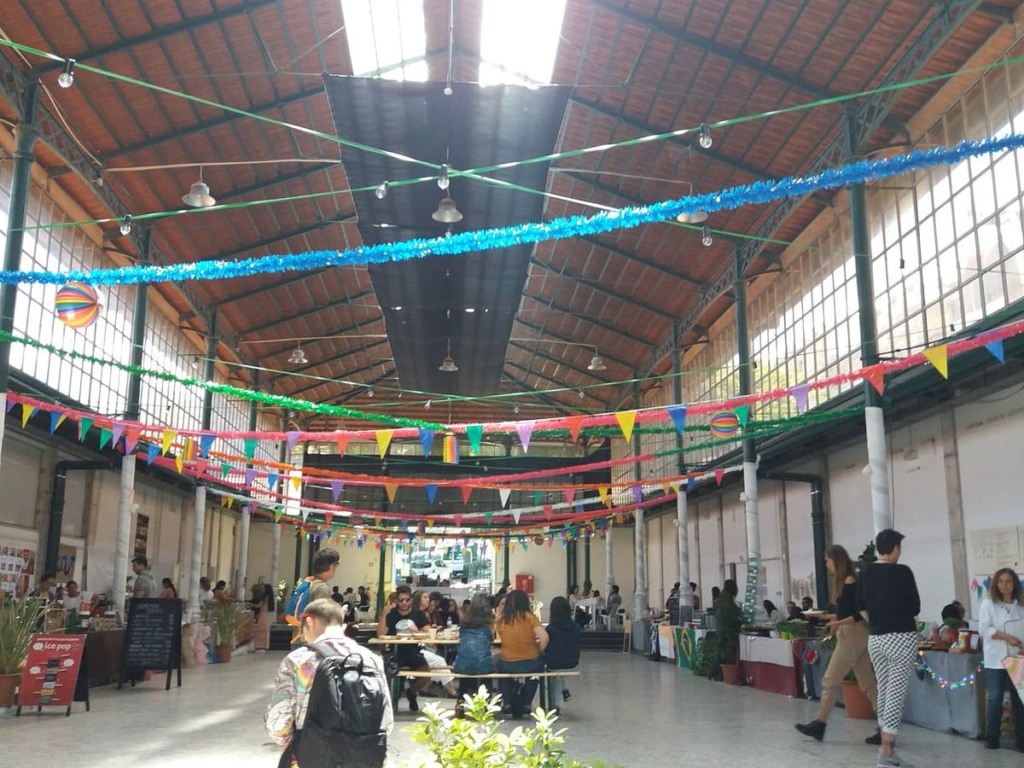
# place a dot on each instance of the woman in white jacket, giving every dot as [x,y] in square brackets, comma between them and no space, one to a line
[1001,624]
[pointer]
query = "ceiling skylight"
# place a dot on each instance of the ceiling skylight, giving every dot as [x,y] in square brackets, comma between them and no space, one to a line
[519,41]
[386,38]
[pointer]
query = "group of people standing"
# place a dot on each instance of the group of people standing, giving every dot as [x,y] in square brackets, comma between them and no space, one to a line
[875,626]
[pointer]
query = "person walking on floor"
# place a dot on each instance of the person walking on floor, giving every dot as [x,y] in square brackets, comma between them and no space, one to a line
[887,593]
[1001,624]
[851,650]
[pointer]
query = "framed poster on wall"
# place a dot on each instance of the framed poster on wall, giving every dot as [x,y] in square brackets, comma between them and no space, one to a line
[141,535]
[19,548]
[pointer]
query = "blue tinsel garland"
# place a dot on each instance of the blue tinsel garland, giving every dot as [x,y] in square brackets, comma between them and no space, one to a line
[757,193]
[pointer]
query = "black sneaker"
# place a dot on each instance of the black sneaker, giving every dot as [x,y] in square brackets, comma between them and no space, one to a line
[413,705]
[566,696]
[875,738]
[815,729]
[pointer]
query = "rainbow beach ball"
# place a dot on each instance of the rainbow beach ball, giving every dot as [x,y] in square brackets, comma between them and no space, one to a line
[725,424]
[77,304]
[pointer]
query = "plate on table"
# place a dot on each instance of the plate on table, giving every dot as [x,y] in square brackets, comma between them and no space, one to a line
[813,614]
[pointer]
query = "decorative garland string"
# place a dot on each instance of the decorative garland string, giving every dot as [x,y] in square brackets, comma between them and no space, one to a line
[925,669]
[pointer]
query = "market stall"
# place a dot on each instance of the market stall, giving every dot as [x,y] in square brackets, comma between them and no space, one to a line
[770,664]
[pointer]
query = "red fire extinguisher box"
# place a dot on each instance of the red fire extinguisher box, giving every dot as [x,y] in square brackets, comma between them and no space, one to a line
[524,581]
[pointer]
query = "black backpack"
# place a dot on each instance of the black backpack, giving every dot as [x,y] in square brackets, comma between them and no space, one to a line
[344,714]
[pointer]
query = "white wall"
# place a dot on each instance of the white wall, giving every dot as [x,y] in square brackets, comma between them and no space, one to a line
[19,477]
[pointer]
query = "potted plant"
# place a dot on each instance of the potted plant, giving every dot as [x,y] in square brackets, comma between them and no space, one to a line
[17,623]
[855,701]
[707,656]
[791,630]
[728,622]
[227,617]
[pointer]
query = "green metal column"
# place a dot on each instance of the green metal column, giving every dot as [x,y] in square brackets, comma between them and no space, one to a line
[507,583]
[299,538]
[25,135]
[587,584]
[381,576]
[640,597]
[749,497]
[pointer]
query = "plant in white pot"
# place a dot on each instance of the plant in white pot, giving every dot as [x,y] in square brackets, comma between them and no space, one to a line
[227,616]
[18,620]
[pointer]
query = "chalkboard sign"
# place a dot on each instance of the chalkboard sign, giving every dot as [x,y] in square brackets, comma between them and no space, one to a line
[152,639]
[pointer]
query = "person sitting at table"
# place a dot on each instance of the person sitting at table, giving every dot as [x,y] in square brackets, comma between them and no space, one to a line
[793,611]
[806,604]
[563,651]
[953,616]
[851,651]
[612,604]
[476,633]
[579,614]
[1001,624]
[696,595]
[169,592]
[716,592]
[523,640]
[770,608]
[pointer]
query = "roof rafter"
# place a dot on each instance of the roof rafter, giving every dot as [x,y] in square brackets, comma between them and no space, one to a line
[559,337]
[598,288]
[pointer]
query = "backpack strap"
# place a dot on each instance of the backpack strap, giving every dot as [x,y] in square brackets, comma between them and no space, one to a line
[323,650]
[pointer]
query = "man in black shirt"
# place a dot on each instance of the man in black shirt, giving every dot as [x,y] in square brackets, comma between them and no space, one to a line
[887,594]
[403,619]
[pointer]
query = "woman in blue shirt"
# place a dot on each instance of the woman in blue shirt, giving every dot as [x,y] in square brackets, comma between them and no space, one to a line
[476,633]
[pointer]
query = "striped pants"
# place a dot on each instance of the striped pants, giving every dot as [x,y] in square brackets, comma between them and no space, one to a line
[893,657]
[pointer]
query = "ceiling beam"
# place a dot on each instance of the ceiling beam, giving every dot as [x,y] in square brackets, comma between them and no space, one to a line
[160,33]
[643,128]
[548,306]
[278,180]
[855,131]
[527,372]
[555,360]
[598,288]
[282,236]
[207,125]
[558,337]
[326,361]
[525,389]
[259,329]
[1000,14]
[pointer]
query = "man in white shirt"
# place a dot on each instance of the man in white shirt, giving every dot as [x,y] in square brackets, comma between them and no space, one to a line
[205,593]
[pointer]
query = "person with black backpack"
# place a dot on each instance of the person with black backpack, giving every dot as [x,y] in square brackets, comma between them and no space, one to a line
[331,705]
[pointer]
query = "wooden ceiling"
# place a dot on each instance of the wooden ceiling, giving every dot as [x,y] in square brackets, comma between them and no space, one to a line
[636,68]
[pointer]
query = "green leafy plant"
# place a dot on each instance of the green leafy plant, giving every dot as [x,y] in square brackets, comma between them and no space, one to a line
[789,630]
[18,620]
[476,741]
[707,652]
[869,555]
[227,616]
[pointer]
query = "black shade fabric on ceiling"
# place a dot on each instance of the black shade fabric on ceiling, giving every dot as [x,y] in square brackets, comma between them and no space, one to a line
[474,127]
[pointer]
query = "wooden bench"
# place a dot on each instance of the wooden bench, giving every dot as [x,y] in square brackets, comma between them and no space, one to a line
[449,672]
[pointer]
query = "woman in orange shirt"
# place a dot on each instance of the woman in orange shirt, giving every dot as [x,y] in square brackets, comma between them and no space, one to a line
[523,641]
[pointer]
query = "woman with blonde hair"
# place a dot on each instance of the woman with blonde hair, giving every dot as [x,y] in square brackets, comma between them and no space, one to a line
[851,650]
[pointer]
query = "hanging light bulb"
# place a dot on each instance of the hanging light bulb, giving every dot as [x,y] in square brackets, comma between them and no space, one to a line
[382,190]
[448,89]
[427,405]
[580,393]
[705,140]
[369,391]
[705,236]
[515,408]
[126,224]
[442,180]
[67,78]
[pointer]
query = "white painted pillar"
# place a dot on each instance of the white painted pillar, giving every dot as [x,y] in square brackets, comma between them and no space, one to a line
[122,544]
[609,576]
[640,561]
[275,558]
[878,467]
[243,554]
[683,542]
[753,526]
[195,569]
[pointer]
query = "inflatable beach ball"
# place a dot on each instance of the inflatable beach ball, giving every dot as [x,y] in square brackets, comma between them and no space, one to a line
[725,424]
[77,304]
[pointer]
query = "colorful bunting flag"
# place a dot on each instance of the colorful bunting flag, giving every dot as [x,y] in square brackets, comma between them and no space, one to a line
[131,439]
[426,440]
[504,494]
[391,489]
[105,435]
[939,358]
[291,438]
[152,451]
[116,431]
[384,440]
[719,474]
[799,393]
[205,444]
[742,415]
[342,444]
[570,494]
[336,487]
[474,433]
[467,490]
[56,419]
[996,348]
[875,376]
[249,447]
[626,421]
[575,425]
[525,431]
[26,413]
[431,489]
[678,415]
[84,425]
[166,440]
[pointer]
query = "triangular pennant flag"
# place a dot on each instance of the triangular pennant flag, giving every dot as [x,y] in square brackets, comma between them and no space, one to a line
[179,462]
[376,521]
[799,393]
[384,440]
[8,403]
[201,465]
[678,415]
[105,435]
[116,431]
[391,489]
[504,494]
[249,447]
[296,482]
[626,421]
[328,516]
[336,487]
[467,490]
[487,517]
[996,348]
[525,432]
[667,488]
[131,438]
[225,469]
[250,475]
[84,425]
[431,489]
[742,415]
[575,425]
[939,357]
[719,474]
[229,501]
[426,440]
[690,483]
[475,433]
[166,440]
[638,493]
[272,480]
[458,520]
[190,446]
[56,419]
[26,413]
[152,451]
[602,492]
[570,494]
[538,496]
[205,443]
[548,510]
[875,376]
[291,438]
[277,515]
[342,441]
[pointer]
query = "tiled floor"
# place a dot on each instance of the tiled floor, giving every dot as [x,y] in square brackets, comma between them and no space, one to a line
[625,711]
